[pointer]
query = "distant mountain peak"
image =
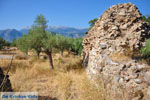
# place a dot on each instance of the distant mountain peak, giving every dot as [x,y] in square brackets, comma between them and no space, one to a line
[56,27]
[10,34]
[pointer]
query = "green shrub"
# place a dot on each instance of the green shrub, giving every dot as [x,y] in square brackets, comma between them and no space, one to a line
[77,45]
[60,60]
[145,51]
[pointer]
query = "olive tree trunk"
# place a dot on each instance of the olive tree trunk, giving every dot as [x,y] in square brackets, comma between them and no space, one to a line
[49,54]
[38,54]
[62,52]
[26,52]
[69,51]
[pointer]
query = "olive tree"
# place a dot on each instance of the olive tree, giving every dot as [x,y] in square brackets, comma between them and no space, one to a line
[61,43]
[77,45]
[2,43]
[49,42]
[35,36]
[23,44]
[41,40]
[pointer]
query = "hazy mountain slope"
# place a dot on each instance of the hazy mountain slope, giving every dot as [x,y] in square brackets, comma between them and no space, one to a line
[10,34]
[63,30]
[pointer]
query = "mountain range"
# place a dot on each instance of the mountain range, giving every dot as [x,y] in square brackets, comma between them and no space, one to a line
[10,34]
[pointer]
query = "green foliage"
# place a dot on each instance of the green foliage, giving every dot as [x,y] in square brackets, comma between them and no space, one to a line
[41,22]
[41,40]
[38,33]
[146,18]
[36,36]
[14,42]
[49,42]
[66,43]
[69,42]
[60,60]
[23,43]
[145,51]
[61,43]
[7,43]
[77,45]
[3,43]
[92,23]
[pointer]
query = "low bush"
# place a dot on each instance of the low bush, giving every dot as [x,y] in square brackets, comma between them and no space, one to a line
[145,51]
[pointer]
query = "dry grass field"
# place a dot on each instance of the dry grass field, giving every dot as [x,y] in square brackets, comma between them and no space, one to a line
[68,81]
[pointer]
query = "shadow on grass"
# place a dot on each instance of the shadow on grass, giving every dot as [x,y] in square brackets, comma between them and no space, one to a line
[46,98]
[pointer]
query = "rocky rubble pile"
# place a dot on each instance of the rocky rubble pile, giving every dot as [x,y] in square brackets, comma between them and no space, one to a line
[120,30]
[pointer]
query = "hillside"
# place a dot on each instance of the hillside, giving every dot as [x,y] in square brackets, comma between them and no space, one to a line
[68,31]
[63,30]
[10,34]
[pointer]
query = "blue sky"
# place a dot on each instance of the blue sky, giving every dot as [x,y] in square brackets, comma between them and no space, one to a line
[74,13]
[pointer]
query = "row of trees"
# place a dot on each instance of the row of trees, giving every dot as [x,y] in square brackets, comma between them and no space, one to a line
[43,41]
[146,18]
[3,43]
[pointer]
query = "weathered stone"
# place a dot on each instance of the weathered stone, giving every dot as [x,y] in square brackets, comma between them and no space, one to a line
[103,46]
[148,90]
[147,77]
[133,68]
[128,64]
[124,26]
[122,12]
[119,32]
[121,81]
[116,78]
[126,78]
[114,28]
[132,75]
[123,66]
[138,81]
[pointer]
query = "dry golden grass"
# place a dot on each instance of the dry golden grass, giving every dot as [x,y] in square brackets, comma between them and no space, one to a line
[68,81]
[16,64]
[118,57]
[127,55]
[21,57]
[64,86]
[75,86]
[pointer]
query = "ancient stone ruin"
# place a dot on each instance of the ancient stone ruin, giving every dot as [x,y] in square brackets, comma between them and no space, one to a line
[5,85]
[110,52]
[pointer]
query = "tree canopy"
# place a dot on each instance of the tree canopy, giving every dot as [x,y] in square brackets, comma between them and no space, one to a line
[3,43]
[41,22]
[23,44]
[146,18]
[92,22]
